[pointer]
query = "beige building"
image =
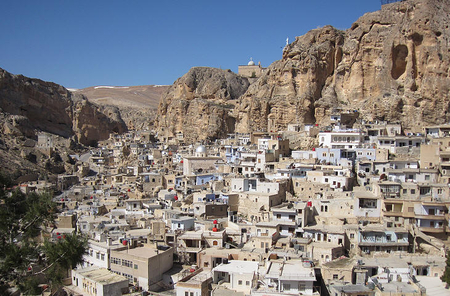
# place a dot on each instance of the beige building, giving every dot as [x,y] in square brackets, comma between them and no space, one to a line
[67,221]
[150,181]
[338,271]
[195,284]
[143,266]
[200,163]
[251,70]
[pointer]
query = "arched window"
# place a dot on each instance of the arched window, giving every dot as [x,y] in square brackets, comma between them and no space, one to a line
[215,243]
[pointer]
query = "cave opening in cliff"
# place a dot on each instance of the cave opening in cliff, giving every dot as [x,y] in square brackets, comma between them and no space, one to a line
[399,55]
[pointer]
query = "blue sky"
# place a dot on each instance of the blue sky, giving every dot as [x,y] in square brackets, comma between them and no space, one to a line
[87,43]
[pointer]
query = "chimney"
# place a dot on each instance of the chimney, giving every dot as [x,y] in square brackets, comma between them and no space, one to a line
[108,241]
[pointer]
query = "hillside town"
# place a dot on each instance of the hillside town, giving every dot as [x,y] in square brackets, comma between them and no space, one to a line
[365,211]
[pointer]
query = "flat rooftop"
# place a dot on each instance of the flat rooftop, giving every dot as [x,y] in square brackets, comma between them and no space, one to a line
[142,252]
[238,266]
[101,275]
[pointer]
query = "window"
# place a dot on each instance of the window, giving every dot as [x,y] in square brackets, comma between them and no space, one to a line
[102,257]
[247,283]
[239,282]
[425,190]
[439,191]
[335,276]
[427,177]
[352,235]
[127,263]
[286,287]
[115,260]
[215,243]
[413,191]
[135,266]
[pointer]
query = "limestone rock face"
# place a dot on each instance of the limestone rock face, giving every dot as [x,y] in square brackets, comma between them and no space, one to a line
[199,104]
[288,89]
[46,106]
[391,65]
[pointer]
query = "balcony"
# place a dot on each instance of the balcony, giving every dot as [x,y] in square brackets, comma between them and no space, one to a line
[390,195]
[430,217]
[384,244]
[393,214]
[432,229]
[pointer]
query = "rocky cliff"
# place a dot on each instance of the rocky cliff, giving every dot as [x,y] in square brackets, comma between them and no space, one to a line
[199,105]
[36,105]
[391,65]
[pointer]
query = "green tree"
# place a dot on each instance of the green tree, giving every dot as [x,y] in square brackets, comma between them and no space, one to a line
[26,261]
[446,276]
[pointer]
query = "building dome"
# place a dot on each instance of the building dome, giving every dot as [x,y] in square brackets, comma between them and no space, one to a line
[201,149]
[251,63]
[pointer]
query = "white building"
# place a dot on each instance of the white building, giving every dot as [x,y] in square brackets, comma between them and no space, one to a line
[287,278]
[347,139]
[96,281]
[237,275]
[98,253]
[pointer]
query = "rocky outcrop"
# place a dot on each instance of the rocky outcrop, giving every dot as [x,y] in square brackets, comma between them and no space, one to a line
[36,105]
[391,65]
[287,91]
[199,105]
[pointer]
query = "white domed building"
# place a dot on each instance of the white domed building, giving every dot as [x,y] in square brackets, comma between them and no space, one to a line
[251,70]
[201,151]
[200,162]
